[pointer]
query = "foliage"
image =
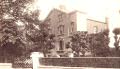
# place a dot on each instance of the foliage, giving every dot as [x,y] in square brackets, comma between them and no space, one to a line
[41,38]
[96,43]
[10,40]
[79,43]
[99,44]
[31,35]
[11,13]
[116,31]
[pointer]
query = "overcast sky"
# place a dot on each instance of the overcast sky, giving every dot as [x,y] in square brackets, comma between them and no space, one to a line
[96,8]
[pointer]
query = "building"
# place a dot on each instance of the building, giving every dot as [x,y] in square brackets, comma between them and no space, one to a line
[63,24]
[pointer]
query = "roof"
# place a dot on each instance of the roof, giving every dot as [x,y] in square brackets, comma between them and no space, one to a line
[55,9]
[70,12]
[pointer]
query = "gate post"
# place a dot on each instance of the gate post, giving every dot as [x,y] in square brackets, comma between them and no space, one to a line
[35,59]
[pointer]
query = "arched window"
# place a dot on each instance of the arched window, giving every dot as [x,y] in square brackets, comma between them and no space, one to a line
[61,29]
[95,29]
[72,26]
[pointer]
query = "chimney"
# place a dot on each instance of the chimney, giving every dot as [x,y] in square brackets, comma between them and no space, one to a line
[62,7]
[107,22]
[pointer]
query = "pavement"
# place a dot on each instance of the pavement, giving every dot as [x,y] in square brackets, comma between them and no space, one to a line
[59,67]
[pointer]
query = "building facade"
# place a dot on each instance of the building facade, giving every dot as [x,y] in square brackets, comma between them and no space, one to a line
[63,24]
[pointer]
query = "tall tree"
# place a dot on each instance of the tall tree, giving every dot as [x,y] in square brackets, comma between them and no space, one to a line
[21,28]
[11,13]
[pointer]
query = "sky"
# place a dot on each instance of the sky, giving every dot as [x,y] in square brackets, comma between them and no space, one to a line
[96,9]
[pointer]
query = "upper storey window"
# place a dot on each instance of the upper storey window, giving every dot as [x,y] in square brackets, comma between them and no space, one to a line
[60,17]
[72,26]
[48,21]
[61,29]
[95,29]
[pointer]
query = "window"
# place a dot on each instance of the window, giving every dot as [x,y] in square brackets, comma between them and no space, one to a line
[61,29]
[60,17]
[72,26]
[48,21]
[50,30]
[95,29]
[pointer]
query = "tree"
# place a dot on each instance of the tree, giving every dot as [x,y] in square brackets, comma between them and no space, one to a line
[31,35]
[42,40]
[11,12]
[99,44]
[116,31]
[79,43]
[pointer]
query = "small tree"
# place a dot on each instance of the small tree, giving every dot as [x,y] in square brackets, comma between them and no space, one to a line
[79,43]
[116,32]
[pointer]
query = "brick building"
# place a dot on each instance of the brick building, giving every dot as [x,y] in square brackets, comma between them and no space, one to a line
[63,24]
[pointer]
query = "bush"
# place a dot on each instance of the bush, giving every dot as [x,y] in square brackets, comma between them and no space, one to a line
[99,44]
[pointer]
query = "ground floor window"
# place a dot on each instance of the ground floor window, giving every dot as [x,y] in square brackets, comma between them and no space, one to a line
[61,44]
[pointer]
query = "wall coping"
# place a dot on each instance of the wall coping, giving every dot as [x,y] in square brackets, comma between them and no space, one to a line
[80,57]
[6,64]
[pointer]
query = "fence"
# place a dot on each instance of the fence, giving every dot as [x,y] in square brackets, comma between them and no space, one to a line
[22,63]
[99,62]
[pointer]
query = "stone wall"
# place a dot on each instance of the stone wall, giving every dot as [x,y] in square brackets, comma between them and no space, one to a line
[99,62]
[96,62]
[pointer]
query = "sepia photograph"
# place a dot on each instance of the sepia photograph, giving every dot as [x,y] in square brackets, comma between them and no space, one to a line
[59,34]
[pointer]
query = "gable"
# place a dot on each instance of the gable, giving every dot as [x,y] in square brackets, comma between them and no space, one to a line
[54,12]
